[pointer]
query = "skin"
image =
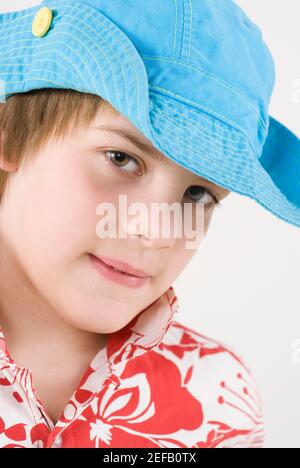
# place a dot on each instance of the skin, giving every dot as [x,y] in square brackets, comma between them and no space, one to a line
[63,307]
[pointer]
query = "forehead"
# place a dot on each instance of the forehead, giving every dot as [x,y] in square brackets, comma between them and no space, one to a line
[112,123]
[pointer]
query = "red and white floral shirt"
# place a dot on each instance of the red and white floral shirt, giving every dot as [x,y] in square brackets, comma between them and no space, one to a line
[156,384]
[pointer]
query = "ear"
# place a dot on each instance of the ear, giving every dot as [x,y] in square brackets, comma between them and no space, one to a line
[7,166]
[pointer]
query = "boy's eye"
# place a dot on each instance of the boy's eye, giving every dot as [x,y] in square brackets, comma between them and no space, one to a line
[195,192]
[122,161]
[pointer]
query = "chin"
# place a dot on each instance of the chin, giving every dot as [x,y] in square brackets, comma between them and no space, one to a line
[101,324]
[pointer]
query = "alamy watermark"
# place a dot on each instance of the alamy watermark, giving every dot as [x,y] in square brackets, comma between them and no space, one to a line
[189,221]
[296,91]
[296,351]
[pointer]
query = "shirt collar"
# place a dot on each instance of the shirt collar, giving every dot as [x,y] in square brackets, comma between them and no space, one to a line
[143,333]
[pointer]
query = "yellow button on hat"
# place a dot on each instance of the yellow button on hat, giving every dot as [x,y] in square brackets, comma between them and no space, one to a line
[42,22]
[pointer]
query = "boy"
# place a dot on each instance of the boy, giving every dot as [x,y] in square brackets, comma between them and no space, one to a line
[90,353]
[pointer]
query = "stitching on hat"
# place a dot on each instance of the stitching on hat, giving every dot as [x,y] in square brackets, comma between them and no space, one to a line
[182,32]
[211,136]
[238,167]
[35,79]
[63,44]
[43,61]
[26,29]
[216,167]
[166,118]
[106,42]
[19,16]
[191,27]
[187,31]
[212,140]
[219,153]
[175,31]
[58,85]
[210,75]
[111,28]
[10,73]
[203,72]
[233,124]
[234,130]
[85,45]
[134,70]
[212,120]
[36,54]
[186,28]
[125,48]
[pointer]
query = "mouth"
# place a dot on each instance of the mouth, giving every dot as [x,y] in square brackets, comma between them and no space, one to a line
[117,274]
[123,267]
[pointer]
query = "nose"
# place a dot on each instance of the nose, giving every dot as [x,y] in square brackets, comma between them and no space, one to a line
[154,242]
[158,218]
[151,235]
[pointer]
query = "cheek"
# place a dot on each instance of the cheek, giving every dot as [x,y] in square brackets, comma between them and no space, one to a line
[66,221]
[56,214]
[185,248]
[183,255]
[201,216]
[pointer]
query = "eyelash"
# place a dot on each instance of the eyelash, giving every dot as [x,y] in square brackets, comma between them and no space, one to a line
[217,202]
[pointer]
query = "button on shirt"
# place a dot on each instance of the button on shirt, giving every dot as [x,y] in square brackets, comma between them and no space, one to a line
[156,384]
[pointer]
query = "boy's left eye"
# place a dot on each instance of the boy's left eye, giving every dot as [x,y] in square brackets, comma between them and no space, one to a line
[120,160]
[197,191]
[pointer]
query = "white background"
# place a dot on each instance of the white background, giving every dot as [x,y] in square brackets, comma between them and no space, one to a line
[242,287]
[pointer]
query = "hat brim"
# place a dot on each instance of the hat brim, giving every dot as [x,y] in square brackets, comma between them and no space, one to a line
[217,152]
[101,59]
[281,159]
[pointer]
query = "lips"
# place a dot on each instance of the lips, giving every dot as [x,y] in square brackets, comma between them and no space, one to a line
[123,267]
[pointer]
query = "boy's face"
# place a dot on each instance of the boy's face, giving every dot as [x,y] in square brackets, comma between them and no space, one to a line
[48,224]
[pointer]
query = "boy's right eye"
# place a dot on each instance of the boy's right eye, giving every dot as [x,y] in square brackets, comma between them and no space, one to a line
[120,160]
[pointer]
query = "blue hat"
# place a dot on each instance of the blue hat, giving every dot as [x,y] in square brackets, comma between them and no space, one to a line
[194,76]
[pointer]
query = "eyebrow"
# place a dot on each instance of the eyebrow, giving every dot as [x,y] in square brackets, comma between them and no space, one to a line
[135,140]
